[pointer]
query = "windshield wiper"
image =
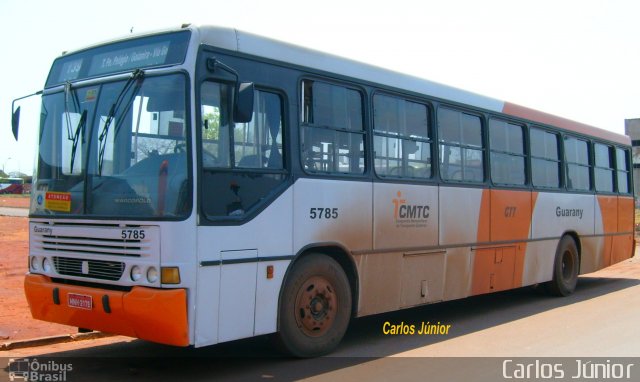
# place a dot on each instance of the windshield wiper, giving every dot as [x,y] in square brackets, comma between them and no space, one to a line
[73,135]
[138,77]
[76,138]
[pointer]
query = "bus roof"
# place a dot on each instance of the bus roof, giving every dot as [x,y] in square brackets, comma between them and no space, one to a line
[248,43]
[243,42]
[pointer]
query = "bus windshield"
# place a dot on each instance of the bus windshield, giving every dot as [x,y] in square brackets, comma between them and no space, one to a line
[114,149]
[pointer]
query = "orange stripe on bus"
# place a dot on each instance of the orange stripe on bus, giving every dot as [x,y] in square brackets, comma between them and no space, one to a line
[484,218]
[623,245]
[505,216]
[548,119]
[609,211]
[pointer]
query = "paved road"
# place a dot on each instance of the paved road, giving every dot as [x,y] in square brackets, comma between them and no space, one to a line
[599,320]
[13,211]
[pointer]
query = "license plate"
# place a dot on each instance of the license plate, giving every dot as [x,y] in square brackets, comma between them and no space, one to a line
[80,301]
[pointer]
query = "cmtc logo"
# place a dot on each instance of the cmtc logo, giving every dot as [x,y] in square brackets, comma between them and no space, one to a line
[408,215]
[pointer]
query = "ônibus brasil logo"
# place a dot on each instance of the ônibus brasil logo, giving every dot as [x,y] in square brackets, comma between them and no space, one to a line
[25,369]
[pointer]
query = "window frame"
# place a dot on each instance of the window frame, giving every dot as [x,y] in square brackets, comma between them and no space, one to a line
[629,169]
[567,163]
[303,125]
[558,161]
[526,153]
[232,166]
[439,142]
[430,141]
[612,170]
[286,173]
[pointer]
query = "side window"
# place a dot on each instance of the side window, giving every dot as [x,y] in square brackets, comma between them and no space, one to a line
[243,163]
[332,129]
[622,170]
[507,153]
[402,139]
[461,147]
[258,144]
[215,108]
[545,161]
[576,152]
[603,167]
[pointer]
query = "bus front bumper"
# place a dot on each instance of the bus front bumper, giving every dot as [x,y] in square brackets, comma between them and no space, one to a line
[157,315]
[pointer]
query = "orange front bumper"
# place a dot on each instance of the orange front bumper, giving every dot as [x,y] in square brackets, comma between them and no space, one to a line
[158,315]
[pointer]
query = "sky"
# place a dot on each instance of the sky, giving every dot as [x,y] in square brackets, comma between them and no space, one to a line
[579,59]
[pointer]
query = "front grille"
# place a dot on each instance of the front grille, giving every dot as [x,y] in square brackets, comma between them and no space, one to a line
[97,269]
[89,241]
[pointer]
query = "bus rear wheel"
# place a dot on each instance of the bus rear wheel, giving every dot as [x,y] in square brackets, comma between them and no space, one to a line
[315,308]
[565,269]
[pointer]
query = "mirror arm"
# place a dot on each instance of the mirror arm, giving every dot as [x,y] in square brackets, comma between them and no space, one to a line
[239,116]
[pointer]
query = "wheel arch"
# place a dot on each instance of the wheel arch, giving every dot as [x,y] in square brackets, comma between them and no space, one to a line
[576,239]
[338,253]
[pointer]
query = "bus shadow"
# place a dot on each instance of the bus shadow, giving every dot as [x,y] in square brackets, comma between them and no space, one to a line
[469,315]
[256,358]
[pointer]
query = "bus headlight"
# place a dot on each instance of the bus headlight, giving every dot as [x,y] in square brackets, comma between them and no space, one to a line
[46,265]
[34,263]
[152,275]
[136,273]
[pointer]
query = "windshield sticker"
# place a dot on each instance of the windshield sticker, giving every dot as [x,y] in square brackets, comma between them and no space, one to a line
[91,95]
[58,201]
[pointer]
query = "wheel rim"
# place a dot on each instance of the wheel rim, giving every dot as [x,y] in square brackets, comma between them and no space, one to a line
[315,307]
[568,265]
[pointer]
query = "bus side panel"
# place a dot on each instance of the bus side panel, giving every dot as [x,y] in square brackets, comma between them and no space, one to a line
[499,266]
[405,216]
[553,215]
[380,282]
[235,297]
[458,273]
[623,244]
[461,225]
[460,216]
[605,225]
[406,274]
[327,212]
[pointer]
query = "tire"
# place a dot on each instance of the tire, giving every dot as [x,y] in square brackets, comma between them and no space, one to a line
[566,268]
[315,307]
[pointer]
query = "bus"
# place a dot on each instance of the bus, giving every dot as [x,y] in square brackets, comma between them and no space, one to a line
[11,186]
[202,184]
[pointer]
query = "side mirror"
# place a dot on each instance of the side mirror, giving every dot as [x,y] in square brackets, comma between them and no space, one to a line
[15,116]
[15,122]
[243,112]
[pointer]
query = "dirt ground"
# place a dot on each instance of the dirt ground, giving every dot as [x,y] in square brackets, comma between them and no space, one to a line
[14,201]
[15,319]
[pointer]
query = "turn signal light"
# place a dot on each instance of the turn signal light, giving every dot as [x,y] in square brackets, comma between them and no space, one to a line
[170,275]
[269,271]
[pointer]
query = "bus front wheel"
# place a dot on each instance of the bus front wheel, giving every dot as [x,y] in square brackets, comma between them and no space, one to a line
[565,269]
[315,308]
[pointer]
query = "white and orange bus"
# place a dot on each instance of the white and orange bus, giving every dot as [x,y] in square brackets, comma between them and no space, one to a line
[201,185]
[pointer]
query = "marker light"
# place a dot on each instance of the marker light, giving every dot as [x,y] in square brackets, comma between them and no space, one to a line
[34,263]
[46,265]
[152,275]
[136,273]
[170,275]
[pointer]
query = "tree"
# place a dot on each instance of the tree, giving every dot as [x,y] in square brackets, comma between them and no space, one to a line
[211,128]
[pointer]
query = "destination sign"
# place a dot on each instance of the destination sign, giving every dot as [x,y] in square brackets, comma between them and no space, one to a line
[121,56]
[146,55]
